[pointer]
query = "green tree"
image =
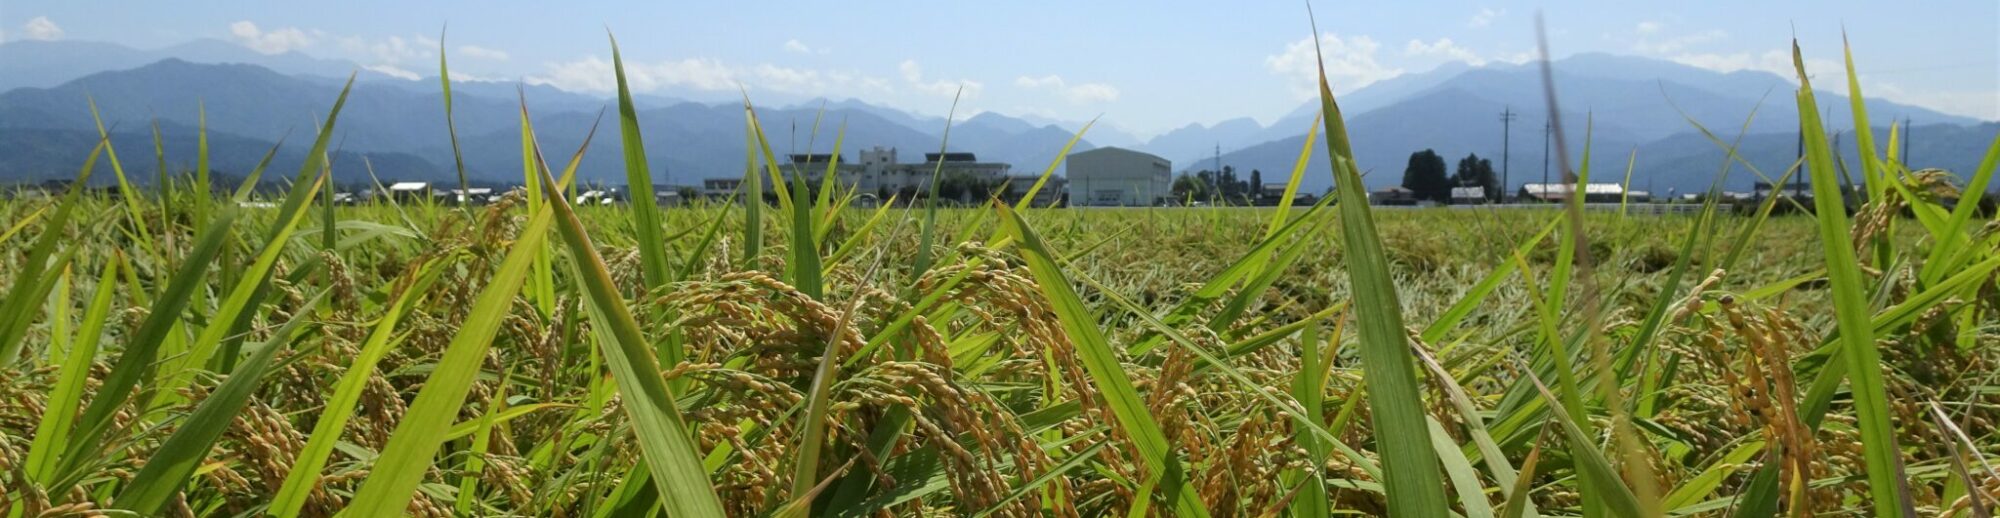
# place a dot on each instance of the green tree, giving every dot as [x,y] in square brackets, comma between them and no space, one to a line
[1477,172]
[1191,187]
[1425,177]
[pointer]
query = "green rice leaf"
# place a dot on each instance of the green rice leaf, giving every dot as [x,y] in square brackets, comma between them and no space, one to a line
[1851,307]
[1100,360]
[1409,464]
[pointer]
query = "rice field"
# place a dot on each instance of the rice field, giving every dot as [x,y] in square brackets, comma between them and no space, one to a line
[177,353]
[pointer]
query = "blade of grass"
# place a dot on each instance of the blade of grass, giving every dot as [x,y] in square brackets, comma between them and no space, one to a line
[1851,308]
[133,212]
[204,193]
[639,182]
[1100,360]
[926,235]
[1298,173]
[451,128]
[141,348]
[1028,200]
[340,404]
[18,310]
[665,441]
[1616,496]
[403,462]
[1517,503]
[242,303]
[1409,465]
[1471,495]
[170,467]
[52,433]
[753,192]
[1954,236]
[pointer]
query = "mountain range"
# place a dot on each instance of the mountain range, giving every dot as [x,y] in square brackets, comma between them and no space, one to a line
[1618,104]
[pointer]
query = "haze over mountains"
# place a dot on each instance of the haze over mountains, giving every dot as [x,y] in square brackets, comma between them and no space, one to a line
[253,100]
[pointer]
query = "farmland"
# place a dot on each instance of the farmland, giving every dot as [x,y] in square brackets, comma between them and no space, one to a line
[186,354]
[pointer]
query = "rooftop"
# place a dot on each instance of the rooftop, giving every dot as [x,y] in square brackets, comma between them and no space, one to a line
[1566,188]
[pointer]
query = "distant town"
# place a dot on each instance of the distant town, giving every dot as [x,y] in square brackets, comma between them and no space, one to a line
[1101,177]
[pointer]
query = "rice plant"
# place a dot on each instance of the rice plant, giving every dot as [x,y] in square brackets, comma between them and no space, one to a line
[177,355]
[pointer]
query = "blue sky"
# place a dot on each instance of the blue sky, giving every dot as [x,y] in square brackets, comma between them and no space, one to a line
[1146,66]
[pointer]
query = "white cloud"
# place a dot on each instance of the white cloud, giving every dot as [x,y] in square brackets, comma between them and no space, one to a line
[1443,47]
[276,41]
[1651,45]
[1830,74]
[1980,105]
[478,52]
[593,74]
[913,74]
[392,49]
[1774,61]
[1647,27]
[1085,93]
[1350,64]
[41,28]
[399,73]
[1485,17]
[796,46]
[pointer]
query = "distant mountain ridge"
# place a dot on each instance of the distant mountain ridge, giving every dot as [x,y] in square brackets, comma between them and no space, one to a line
[254,99]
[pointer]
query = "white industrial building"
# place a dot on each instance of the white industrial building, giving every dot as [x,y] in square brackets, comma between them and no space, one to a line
[1117,177]
[1592,193]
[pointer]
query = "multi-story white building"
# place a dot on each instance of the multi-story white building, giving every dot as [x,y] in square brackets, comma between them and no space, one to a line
[878,172]
[1117,177]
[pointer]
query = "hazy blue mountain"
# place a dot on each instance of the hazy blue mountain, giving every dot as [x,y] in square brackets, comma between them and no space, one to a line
[256,102]
[42,64]
[1627,102]
[686,142]
[542,97]
[1684,162]
[1196,142]
[32,155]
[1103,133]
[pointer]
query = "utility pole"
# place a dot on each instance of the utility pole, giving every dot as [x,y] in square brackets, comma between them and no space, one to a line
[1909,130]
[1219,186]
[1506,144]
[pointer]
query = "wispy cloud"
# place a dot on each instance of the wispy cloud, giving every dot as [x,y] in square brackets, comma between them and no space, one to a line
[478,52]
[595,74]
[913,75]
[799,47]
[1350,64]
[1485,17]
[41,28]
[276,41]
[1444,48]
[400,73]
[1650,41]
[1085,93]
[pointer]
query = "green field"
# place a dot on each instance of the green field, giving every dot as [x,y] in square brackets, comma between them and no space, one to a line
[180,354]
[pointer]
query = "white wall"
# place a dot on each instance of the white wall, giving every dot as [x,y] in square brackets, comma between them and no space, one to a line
[1112,176]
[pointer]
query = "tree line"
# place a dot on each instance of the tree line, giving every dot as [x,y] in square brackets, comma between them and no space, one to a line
[1219,187]
[1426,179]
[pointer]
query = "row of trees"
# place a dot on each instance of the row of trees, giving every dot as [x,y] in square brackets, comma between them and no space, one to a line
[1210,186]
[1426,179]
